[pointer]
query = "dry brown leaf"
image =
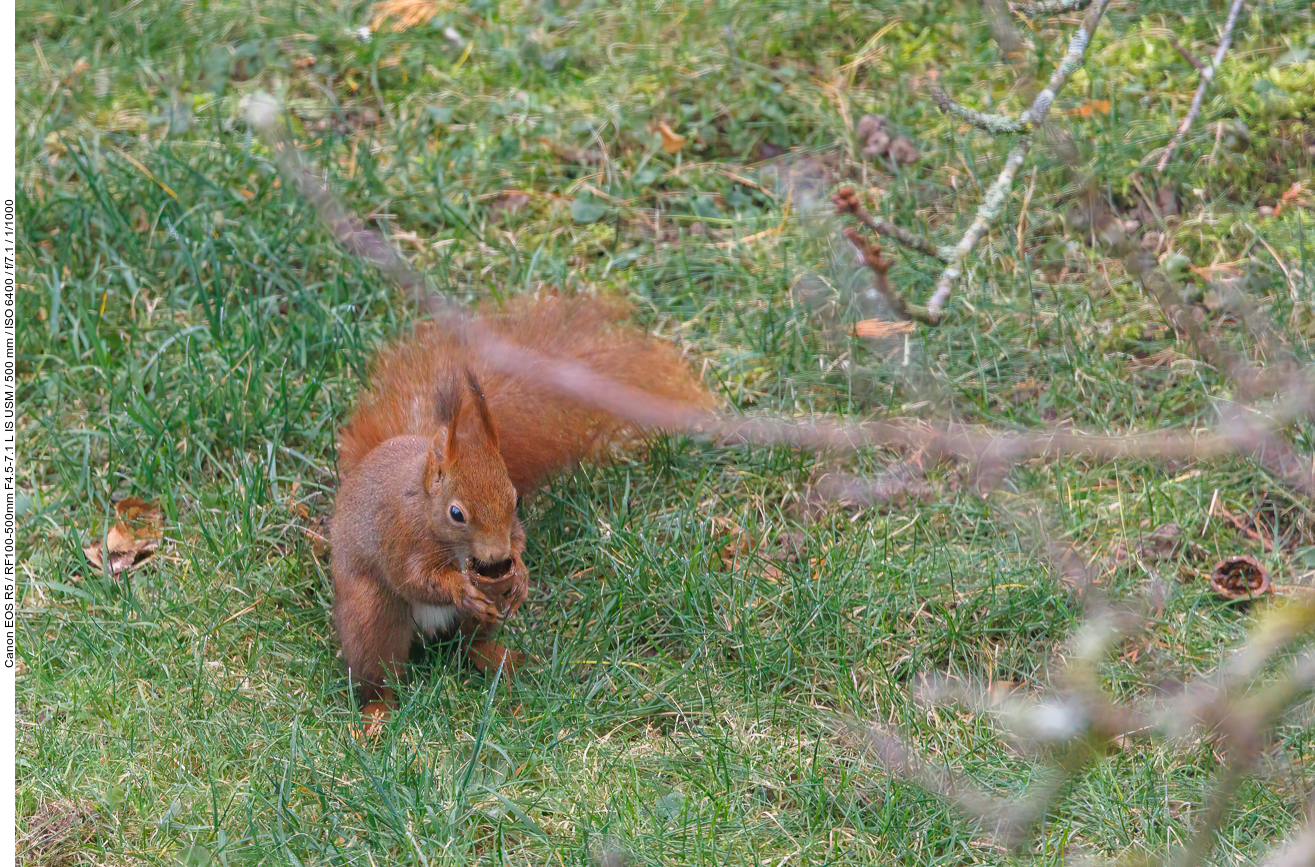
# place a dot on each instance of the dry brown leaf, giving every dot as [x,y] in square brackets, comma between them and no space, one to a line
[508,202]
[1294,196]
[133,538]
[138,511]
[739,545]
[583,156]
[902,150]
[58,832]
[1088,108]
[404,14]
[672,141]
[879,328]
[295,506]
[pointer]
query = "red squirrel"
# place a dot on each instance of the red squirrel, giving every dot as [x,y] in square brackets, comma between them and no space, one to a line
[425,537]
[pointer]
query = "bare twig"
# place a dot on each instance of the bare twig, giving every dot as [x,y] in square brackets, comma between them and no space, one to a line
[1187,54]
[846,202]
[992,123]
[1251,434]
[1035,115]
[1271,450]
[870,256]
[1207,76]
[1297,852]
[1072,729]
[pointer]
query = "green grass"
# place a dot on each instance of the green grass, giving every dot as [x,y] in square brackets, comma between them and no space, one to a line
[192,337]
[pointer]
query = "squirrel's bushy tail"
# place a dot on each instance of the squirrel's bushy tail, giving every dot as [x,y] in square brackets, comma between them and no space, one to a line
[539,430]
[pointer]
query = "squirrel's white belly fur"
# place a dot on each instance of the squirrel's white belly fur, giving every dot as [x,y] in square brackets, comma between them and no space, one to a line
[434,620]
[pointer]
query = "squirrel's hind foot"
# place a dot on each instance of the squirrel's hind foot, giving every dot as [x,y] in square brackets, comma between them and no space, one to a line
[487,655]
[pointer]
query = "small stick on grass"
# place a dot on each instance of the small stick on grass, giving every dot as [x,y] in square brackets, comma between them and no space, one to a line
[1207,76]
[870,255]
[846,202]
[1187,54]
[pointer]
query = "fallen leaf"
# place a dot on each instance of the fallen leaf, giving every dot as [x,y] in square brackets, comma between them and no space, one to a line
[672,141]
[295,506]
[1295,195]
[879,328]
[739,545]
[133,538]
[903,151]
[404,14]
[318,535]
[138,511]
[508,202]
[1163,542]
[1090,107]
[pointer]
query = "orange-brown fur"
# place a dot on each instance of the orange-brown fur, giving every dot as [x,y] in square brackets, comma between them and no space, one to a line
[438,428]
[540,433]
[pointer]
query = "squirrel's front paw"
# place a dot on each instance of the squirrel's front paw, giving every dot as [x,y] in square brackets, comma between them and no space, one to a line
[518,588]
[474,601]
[507,589]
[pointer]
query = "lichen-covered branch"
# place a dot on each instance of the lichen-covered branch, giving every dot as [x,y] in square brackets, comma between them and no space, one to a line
[1050,7]
[987,212]
[1207,76]
[1035,115]
[992,123]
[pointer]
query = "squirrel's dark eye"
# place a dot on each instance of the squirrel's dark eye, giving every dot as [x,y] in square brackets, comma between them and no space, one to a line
[456,514]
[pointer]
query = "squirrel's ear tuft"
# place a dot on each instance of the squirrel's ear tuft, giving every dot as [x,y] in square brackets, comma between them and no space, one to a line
[482,407]
[442,454]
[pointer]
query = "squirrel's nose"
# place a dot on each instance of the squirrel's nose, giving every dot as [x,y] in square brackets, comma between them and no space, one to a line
[495,569]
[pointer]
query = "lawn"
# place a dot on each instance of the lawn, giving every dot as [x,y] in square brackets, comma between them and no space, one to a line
[191,336]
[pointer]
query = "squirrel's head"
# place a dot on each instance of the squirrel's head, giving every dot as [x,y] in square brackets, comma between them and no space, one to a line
[472,502]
